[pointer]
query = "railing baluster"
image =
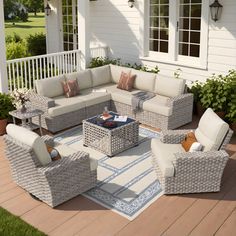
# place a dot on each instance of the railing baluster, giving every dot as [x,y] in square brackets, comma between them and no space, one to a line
[13,75]
[9,76]
[30,77]
[25,70]
[17,74]
[33,65]
[44,67]
[40,68]
[37,69]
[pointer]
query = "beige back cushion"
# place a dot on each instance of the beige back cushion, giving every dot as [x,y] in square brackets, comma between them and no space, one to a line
[211,130]
[169,87]
[116,72]
[50,87]
[144,80]
[32,140]
[84,78]
[101,75]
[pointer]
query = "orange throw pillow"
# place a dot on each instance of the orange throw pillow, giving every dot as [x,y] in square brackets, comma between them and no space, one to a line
[54,154]
[126,81]
[70,88]
[189,140]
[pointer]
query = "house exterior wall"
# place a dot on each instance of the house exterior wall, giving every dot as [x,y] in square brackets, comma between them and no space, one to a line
[114,24]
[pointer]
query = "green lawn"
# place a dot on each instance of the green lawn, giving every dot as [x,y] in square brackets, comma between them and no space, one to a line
[35,24]
[13,226]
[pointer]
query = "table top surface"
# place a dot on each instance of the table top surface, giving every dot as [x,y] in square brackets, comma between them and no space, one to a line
[29,113]
[97,120]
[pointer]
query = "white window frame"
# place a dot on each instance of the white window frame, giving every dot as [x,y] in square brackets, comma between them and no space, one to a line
[173,57]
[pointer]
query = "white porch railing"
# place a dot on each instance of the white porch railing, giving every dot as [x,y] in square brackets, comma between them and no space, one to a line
[23,72]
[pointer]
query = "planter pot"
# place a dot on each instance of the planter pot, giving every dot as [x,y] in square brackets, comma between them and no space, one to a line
[200,109]
[221,114]
[3,125]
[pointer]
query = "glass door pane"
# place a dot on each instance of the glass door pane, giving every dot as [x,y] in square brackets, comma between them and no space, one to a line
[70,24]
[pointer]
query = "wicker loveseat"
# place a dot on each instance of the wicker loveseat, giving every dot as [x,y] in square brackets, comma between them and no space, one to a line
[169,109]
[190,172]
[51,182]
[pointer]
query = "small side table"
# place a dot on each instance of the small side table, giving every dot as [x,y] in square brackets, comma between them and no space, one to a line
[26,118]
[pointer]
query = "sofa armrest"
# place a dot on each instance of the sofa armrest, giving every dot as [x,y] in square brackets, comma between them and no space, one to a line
[41,102]
[77,162]
[201,163]
[181,100]
[174,136]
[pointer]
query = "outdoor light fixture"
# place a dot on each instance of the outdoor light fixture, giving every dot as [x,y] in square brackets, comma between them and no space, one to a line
[216,9]
[131,3]
[47,9]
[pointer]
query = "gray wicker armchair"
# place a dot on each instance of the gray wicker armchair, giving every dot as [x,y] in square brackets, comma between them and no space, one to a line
[55,182]
[192,172]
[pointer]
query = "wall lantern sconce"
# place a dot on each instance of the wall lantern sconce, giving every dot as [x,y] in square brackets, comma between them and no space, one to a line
[216,9]
[131,3]
[48,9]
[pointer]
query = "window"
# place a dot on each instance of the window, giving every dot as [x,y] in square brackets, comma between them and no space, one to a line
[159,25]
[177,30]
[190,27]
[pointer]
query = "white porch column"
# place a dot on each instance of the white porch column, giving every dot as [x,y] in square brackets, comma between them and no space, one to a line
[3,64]
[84,32]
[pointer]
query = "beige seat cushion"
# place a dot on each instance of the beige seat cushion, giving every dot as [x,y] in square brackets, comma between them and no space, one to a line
[122,96]
[116,72]
[32,140]
[144,80]
[158,105]
[83,78]
[108,87]
[65,151]
[164,153]
[211,130]
[101,75]
[169,87]
[66,105]
[91,98]
[51,87]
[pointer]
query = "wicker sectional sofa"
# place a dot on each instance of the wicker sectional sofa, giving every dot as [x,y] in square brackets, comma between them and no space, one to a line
[169,109]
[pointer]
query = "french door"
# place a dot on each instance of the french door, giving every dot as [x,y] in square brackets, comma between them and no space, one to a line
[70,24]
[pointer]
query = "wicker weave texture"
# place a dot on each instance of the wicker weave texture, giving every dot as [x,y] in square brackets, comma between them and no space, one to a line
[55,183]
[194,172]
[110,142]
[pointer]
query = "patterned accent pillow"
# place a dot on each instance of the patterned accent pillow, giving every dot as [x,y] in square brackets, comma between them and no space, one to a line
[189,140]
[70,88]
[126,81]
[54,154]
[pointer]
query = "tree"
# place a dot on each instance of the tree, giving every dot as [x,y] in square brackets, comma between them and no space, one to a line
[33,5]
[9,7]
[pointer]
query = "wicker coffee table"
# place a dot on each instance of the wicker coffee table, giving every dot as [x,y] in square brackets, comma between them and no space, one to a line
[110,141]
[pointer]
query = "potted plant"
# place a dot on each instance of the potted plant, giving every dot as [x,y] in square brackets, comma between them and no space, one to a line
[5,108]
[195,89]
[214,93]
[231,114]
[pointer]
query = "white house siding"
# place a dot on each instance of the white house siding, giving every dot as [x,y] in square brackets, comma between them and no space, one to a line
[116,25]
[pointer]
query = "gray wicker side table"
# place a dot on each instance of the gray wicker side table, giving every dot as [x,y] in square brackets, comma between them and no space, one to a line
[110,141]
[26,118]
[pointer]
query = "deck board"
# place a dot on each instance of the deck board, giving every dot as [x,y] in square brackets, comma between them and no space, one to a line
[188,214]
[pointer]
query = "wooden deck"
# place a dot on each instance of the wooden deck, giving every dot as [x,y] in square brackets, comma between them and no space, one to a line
[192,214]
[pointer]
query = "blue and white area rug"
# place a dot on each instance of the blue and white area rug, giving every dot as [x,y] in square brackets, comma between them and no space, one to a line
[127,183]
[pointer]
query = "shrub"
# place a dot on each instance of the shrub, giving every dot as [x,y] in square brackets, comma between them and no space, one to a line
[6,102]
[101,61]
[36,44]
[16,50]
[23,15]
[15,38]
